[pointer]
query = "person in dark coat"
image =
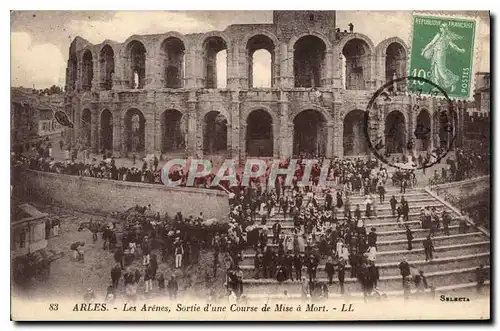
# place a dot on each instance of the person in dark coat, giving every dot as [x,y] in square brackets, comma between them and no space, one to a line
[297,264]
[340,203]
[161,282]
[341,275]
[393,203]
[372,238]
[409,237]
[116,274]
[404,269]
[374,274]
[446,222]
[312,266]
[276,232]
[330,270]
[357,212]
[288,264]
[428,248]
[172,287]
[118,255]
[328,201]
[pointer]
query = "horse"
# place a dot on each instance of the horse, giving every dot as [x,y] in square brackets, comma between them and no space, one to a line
[94,227]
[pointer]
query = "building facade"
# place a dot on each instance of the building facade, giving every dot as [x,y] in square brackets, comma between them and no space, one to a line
[158,93]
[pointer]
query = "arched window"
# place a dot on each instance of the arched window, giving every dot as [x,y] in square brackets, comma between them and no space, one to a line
[215,62]
[260,56]
[136,58]
[172,54]
[309,61]
[107,67]
[87,71]
[356,53]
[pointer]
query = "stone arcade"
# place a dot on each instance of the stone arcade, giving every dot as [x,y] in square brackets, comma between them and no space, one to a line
[159,94]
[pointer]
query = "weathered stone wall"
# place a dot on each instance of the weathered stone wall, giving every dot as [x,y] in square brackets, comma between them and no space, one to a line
[92,194]
[283,100]
[463,191]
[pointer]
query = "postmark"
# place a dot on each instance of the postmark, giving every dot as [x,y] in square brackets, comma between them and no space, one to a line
[442,51]
[390,135]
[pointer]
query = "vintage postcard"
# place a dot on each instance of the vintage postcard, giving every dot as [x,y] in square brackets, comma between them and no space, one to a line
[250,166]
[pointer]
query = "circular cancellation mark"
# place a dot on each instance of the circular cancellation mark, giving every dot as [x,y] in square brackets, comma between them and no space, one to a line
[393,138]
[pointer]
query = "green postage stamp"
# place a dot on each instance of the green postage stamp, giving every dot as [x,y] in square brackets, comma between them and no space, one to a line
[442,51]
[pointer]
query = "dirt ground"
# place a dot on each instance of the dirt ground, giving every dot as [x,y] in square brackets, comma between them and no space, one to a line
[72,279]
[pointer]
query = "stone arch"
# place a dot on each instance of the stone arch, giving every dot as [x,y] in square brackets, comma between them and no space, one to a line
[87,69]
[395,62]
[351,36]
[319,35]
[134,54]
[173,60]
[134,133]
[106,66]
[395,128]
[211,48]
[215,127]
[106,129]
[266,45]
[445,126]
[354,141]
[310,132]
[310,61]
[382,46]
[221,110]
[357,59]
[260,134]
[173,128]
[220,34]
[310,106]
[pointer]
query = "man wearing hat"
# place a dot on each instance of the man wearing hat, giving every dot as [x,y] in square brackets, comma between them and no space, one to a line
[178,252]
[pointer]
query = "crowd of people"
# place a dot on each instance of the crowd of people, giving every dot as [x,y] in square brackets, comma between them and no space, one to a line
[325,226]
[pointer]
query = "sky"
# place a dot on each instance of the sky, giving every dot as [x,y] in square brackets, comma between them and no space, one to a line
[40,39]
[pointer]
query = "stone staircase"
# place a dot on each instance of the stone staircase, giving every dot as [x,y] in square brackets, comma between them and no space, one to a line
[451,272]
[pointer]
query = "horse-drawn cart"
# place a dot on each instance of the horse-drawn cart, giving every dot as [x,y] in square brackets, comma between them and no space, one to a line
[29,254]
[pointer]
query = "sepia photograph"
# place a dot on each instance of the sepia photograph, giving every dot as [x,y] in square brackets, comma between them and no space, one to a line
[286,165]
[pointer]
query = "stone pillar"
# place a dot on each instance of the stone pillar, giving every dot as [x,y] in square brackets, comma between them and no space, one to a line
[95,75]
[235,125]
[94,134]
[411,128]
[338,70]
[117,129]
[233,81]
[286,140]
[154,67]
[191,74]
[329,140]
[327,77]
[286,55]
[337,137]
[192,134]
[243,68]
[79,71]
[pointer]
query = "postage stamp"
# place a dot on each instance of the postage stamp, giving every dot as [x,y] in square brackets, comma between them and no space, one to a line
[442,51]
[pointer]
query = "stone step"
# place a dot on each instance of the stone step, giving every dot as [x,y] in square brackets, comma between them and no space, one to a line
[384,210]
[381,224]
[399,234]
[391,268]
[385,284]
[463,289]
[386,247]
[356,198]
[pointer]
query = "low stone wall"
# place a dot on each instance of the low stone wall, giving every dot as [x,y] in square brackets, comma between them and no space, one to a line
[93,194]
[463,191]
